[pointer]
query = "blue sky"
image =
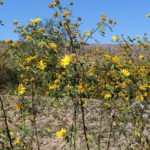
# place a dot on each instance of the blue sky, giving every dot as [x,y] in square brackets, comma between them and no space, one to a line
[129,14]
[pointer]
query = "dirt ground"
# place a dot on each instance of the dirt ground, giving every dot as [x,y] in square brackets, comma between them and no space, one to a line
[51,119]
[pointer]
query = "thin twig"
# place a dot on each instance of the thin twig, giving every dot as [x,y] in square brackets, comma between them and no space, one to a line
[84,126]
[111,129]
[34,120]
[6,124]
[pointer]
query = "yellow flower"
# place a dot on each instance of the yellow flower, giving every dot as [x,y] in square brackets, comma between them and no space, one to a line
[57,81]
[121,95]
[28,38]
[103,17]
[55,15]
[145,45]
[114,38]
[81,42]
[145,94]
[110,21]
[41,29]
[115,59]
[41,65]
[127,98]
[123,85]
[61,134]
[35,21]
[107,95]
[21,89]
[53,46]
[67,28]
[143,87]
[22,33]
[51,5]
[87,33]
[17,106]
[81,88]
[63,73]
[16,141]
[68,88]
[48,130]
[58,75]
[65,61]
[66,13]
[28,25]
[138,36]
[47,93]
[129,62]
[139,97]
[22,76]
[54,4]
[15,22]
[55,104]
[97,50]
[106,55]
[28,68]
[87,55]
[29,59]
[148,15]
[141,57]
[1,3]
[73,55]
[141,69]
[125,72]
[106,105]
[8,41]
[52,87]
[31,117]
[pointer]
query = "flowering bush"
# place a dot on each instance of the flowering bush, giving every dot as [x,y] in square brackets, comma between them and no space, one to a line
[109,91]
